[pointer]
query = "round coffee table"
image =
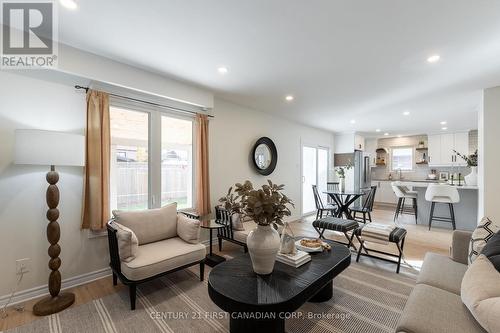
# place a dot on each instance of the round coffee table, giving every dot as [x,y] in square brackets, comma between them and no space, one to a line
[261,303]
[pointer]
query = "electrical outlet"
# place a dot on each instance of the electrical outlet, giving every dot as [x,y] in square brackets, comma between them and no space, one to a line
[23,266]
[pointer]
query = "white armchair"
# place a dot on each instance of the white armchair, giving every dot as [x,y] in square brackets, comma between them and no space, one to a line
[147,244]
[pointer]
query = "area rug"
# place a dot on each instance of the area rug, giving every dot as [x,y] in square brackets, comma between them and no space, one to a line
[365,299]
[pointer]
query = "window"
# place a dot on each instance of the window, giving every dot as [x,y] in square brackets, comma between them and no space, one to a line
[129,167]
[176,161]
[402,159]
[151,158]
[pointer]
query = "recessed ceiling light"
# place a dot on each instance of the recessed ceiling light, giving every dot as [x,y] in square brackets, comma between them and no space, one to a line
[443,123]
[406,113]
[222,70]
[444,128]
[289,98]
[386,134]
[69,4]
[353,121]
[433,58]
[377,130]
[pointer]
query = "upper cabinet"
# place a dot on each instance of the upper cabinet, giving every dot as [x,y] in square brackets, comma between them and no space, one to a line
[359,142]
[442,148]
[348,142]
[462,146]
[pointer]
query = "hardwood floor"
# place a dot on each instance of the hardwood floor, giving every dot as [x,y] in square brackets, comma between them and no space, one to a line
[418,241]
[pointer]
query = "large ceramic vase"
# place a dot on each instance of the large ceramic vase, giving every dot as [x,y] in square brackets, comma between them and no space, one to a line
[471,178]
[263,244]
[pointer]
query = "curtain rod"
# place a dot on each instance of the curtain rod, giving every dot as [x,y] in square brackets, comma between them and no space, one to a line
[147,102]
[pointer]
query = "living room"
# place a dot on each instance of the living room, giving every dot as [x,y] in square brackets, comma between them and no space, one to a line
[196,97]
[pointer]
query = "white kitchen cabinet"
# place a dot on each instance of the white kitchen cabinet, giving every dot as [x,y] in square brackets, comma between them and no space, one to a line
[359,142]
[348,142]
[442,148]
[447,146]
[462,146]
[434,146]
[384,193]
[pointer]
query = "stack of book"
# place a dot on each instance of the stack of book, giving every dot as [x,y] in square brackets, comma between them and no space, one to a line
[296,260]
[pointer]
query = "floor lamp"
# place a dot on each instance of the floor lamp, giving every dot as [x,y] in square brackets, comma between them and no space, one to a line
[37,147]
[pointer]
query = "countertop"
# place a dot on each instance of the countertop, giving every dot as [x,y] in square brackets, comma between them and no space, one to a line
[424,183]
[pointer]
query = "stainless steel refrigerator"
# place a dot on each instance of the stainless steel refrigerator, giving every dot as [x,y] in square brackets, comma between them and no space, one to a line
[359,177]
[362,171]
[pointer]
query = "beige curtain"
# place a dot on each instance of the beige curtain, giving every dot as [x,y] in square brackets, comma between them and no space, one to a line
[202,181]
[96,185]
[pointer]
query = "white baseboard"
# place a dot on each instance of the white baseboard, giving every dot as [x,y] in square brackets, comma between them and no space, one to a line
[28,294]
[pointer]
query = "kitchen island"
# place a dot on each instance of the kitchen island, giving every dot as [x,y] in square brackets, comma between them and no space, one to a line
[465,211]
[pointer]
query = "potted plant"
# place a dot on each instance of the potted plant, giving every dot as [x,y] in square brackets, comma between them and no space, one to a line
[267,207]
[231,202]
[471,160]
[340,171]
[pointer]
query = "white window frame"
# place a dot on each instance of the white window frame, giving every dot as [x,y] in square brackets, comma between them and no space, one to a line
[393,168]
[155,114]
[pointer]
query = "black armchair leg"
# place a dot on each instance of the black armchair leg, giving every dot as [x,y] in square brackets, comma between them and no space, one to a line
[220,244]
[132,291]
[245,249]
[115,279]
[202,269]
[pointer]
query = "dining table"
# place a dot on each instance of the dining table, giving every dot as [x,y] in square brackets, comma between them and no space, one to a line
[344,199]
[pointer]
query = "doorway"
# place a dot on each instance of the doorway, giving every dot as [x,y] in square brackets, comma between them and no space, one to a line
[315,165]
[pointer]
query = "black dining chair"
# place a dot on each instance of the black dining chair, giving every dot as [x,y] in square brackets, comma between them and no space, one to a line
[331,186]
[320,207]
[223,216]
[367,206]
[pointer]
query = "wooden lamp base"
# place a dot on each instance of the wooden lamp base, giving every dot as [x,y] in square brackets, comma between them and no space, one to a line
[56,301]
[50,305]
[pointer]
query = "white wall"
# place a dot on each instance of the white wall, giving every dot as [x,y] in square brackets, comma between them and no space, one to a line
[32,103]
[234,131]
[489,157]
[84,64]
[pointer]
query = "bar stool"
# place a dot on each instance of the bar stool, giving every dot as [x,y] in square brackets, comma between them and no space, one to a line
[402,193]
[445,194]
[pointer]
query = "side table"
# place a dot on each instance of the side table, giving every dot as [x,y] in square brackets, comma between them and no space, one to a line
[212,259]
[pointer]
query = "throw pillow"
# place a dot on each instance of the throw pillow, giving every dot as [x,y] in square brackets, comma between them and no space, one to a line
[484,231]
[492,250]
[150,225]
[480,292]
[127,242]
[237,223]
[188,229]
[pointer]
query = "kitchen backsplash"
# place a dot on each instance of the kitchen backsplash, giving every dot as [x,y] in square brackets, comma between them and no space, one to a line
[419,173]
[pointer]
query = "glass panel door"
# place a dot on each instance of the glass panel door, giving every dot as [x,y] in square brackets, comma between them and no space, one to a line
[314,172]
[308,179]
[322,172]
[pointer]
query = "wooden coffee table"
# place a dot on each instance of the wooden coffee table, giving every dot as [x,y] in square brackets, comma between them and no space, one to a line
[261,303]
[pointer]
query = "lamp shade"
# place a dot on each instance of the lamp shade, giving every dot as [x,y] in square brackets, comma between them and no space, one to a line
[41,147]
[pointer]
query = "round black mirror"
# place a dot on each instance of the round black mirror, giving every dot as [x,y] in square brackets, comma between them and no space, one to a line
[265,156]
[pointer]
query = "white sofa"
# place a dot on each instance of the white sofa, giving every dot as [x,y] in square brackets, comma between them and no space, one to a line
[161,245]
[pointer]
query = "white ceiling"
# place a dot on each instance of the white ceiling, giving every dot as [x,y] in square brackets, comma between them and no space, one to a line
[342,60]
